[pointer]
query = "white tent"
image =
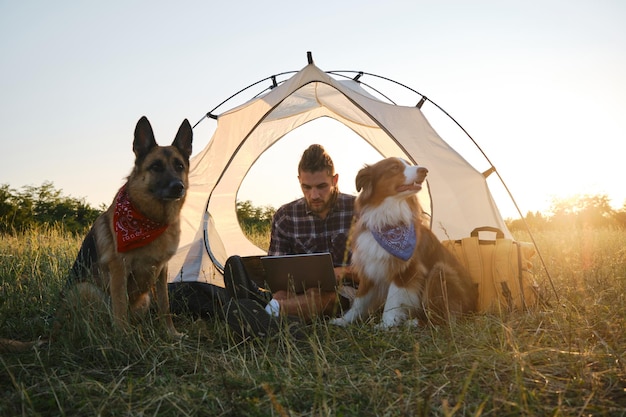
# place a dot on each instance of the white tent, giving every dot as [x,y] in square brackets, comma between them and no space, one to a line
[457,197]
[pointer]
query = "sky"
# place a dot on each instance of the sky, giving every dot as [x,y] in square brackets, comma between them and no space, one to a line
[539,85]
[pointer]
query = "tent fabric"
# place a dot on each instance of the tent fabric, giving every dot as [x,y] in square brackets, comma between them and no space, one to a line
[457,197]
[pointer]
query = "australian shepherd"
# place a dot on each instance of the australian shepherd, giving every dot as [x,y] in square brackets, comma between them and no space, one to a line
[397,260]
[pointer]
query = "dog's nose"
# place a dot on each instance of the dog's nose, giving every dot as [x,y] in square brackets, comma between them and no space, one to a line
[421,174]
[177,188]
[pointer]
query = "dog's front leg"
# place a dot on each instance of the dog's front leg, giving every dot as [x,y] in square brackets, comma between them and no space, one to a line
[397,306]
[356,312]
[119,292]
[163,304]
[366,301]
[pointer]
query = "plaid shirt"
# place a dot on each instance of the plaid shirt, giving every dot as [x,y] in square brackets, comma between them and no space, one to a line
[295,229]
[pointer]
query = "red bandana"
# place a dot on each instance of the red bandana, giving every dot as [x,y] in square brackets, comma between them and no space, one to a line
[132,229]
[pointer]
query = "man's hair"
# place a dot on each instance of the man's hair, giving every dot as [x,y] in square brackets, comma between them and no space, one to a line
[316,159]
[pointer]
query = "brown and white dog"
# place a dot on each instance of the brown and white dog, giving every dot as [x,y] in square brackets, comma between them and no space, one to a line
[399,263]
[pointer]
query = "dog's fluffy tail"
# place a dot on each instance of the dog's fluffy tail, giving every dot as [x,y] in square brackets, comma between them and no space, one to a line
[9,345]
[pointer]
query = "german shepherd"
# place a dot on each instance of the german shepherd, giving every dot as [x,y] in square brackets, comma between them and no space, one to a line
[123,259]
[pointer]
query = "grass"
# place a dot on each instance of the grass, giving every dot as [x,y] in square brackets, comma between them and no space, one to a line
[566,359]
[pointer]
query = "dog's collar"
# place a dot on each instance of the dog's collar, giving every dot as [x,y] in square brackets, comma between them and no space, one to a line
[400,241]
[132,229]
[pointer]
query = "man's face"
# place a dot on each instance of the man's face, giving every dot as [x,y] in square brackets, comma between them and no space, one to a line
[318,188]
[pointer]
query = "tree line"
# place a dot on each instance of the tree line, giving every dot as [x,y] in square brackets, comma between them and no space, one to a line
[34,206]
[254,220]
[45,205]
[578,211]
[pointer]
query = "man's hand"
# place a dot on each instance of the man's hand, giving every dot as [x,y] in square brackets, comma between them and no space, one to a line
[344,273]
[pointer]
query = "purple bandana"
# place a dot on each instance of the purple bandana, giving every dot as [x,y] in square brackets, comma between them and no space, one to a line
[400,241]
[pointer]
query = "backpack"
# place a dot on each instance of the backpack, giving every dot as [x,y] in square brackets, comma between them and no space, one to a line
[501,268]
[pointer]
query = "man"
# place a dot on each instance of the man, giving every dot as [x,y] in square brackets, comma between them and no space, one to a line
[318,222]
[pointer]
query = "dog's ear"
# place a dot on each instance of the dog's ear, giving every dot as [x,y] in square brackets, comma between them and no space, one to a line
[183,139]
[363,181]
[144,138]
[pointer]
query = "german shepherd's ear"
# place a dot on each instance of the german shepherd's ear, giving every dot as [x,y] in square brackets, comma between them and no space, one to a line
[183,139]
[144,138]
[363,181]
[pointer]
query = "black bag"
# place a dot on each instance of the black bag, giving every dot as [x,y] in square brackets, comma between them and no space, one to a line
[199,299]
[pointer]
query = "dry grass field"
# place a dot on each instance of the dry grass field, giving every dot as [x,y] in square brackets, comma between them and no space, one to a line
[567,358]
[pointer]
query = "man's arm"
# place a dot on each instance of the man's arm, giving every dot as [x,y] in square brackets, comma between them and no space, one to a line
[279,241]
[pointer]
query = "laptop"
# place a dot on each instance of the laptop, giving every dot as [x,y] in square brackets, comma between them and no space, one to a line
[299,272]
